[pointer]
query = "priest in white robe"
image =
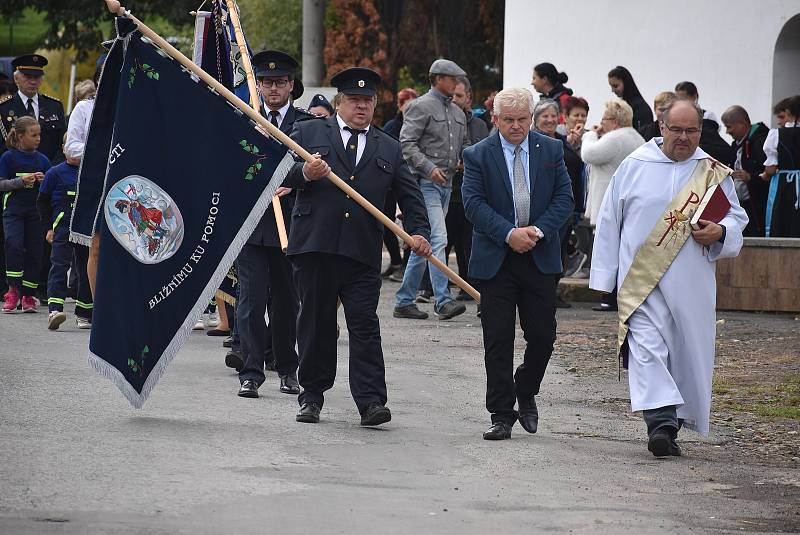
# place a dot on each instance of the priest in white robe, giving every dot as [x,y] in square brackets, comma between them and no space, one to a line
[669,331]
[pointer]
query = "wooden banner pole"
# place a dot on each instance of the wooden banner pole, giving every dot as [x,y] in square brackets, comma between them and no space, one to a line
[255,102]
[115,7]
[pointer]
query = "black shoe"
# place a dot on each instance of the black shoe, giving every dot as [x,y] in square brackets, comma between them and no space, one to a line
[228,342]
[423,296]
[248,389]
[605,307]
[309,413]
[661,443]
[560,303]
[464,296]
[289,384]
[451,309]
[498,431]
[376,414]
[218,332]
[410,312]
[528,414]
[234,360]
[391,270]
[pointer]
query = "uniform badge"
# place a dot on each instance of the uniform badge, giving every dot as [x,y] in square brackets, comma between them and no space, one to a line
[361,83]
[10,114]
[271,65]
[144,219]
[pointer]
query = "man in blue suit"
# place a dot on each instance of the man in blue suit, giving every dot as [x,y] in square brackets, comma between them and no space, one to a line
[517,194]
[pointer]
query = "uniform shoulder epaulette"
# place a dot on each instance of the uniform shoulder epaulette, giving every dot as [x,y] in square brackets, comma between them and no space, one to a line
[6,98]
[305,115]
[49,97]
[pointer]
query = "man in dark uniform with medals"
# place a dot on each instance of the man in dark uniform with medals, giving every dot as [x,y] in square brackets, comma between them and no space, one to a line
[263,270]
[28,75]
[335,244]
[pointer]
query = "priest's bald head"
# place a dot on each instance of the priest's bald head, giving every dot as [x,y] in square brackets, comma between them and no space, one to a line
[681,124]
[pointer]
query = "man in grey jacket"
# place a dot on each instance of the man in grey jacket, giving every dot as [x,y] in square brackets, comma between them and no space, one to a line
[433,135]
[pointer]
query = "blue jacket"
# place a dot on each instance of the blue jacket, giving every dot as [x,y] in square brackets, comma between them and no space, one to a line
[489,203]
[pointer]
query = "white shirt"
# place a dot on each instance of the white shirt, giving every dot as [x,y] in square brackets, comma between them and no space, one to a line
[508,154]
[362,138]
[771,145]
[281,114]
[78,128]
[35,103]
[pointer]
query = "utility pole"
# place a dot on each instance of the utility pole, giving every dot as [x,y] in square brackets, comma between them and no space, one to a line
[313,42]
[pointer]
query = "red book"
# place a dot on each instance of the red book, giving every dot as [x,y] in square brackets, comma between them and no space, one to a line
[713,207]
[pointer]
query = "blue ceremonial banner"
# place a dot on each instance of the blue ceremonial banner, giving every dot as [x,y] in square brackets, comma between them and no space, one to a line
[92,173]
[188,179]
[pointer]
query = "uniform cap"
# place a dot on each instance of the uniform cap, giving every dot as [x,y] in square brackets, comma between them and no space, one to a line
[356,81]
[446,67]
[274,63]
[320,100]
[32,64]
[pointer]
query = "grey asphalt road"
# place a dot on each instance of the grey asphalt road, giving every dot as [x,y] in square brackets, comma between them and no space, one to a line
[75,458]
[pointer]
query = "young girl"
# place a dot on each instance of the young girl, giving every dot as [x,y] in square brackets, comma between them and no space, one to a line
[22,168]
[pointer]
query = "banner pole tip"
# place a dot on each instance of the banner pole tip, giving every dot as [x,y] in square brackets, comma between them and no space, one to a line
[114,6]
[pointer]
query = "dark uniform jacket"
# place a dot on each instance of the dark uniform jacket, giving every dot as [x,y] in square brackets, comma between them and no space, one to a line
[266,233]
[51,120]
[752,160]
[326,220]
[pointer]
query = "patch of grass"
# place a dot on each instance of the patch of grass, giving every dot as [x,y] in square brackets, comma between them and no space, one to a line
[783,412]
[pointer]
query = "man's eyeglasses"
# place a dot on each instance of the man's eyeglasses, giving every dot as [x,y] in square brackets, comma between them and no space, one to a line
[269,83]
[680,131]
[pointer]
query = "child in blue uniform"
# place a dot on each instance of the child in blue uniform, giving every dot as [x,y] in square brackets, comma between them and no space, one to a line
[56,198]
[21,168]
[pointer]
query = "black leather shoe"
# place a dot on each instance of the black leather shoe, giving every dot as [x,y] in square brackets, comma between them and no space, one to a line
[410,312]
[289,384]
[234,360]
[661,443]
[498,431]
[376,414]
[248,389]
[309,413]
[528,414]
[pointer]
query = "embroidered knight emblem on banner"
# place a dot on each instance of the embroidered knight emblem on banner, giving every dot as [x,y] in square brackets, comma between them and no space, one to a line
[144,219]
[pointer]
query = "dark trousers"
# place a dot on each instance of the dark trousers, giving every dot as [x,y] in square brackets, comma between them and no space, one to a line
[264,272]
[321,278]
[24,235]
[61,257]
[459,237]
[662,417]
[518,285]
[389,238]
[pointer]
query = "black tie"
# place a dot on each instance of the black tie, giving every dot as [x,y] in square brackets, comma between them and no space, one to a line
[352,145]
[273,118]
[31,112]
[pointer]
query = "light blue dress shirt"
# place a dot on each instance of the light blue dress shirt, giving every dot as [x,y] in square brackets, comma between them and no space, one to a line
[508,153]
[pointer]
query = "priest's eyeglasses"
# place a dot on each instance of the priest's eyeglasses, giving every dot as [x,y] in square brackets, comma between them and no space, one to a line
[268,82]
[681,131]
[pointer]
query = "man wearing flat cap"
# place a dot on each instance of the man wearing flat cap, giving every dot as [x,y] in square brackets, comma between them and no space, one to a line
[28,75]
[335,244]
[433,135]
[263,270]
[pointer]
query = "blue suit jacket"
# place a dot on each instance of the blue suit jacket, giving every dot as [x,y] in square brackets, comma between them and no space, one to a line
[489,202]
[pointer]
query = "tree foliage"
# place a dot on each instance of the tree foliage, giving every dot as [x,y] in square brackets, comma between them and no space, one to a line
[401,38]
[84,24]
[273,24]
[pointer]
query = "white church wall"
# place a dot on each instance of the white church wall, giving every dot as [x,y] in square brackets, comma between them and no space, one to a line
[726,47]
